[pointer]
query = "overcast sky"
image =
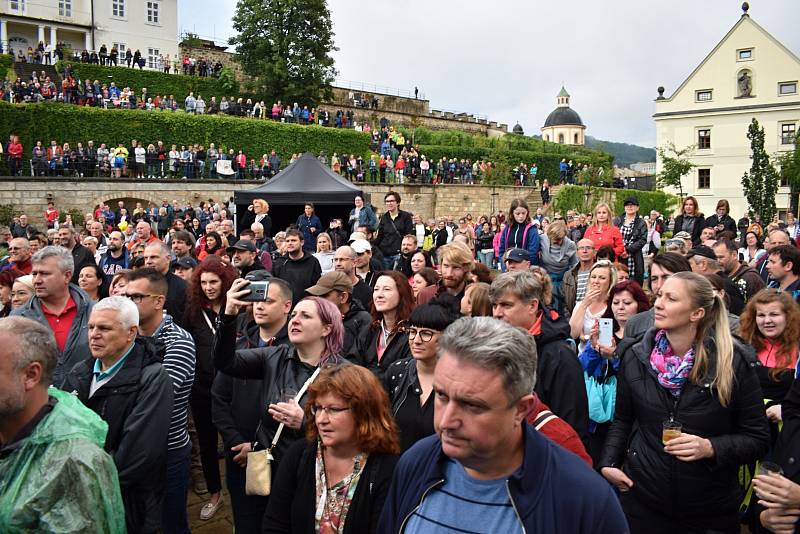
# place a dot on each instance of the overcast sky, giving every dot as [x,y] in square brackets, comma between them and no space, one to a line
[506,59]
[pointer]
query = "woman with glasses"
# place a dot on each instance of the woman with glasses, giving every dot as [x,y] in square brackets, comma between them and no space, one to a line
[602,277]
[337,479]
[688,413]
[386,341]
[752,249]
[205,297]
[410,381]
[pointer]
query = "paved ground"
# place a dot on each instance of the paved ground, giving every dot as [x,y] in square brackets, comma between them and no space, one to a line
[222,522]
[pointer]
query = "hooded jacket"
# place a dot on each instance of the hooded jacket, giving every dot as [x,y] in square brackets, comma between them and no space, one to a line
[739,434]
[300,274]
[137,405]
[559,375]
[76,349]
[357,321]
[63,450]
[553,490]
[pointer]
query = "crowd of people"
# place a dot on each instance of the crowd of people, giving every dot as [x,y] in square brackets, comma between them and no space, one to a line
[392,373]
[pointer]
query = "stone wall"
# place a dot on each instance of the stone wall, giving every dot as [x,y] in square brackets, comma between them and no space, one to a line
[213,55]
[31,195]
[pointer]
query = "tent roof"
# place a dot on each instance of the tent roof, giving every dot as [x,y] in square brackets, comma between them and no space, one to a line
[305,180]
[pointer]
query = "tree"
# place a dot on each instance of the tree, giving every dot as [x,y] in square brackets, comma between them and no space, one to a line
[760,184]
[286,46]
[675,165]
[789,163]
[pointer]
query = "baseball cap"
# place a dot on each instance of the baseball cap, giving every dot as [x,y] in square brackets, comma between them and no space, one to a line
[355,236]
[332,281]
[259,275]
[186,263]
[702,251]
[242,244]
[518,255]
[682,235]
[361,246]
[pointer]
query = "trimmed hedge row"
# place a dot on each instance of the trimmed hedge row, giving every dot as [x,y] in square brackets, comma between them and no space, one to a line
[571,197]
[157,83]
[67,123]
[6,61]
[548,163]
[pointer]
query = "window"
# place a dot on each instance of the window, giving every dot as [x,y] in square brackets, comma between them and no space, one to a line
[704,138]
[703,95]
[788,132]
[576,140]
[561,138]
[65,8]
[121,49]
[744,54]
[154,58]
[703,178]
[787,88]
[16,5]
[118,8]
[152,12]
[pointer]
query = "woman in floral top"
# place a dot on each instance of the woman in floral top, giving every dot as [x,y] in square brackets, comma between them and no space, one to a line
[337,480]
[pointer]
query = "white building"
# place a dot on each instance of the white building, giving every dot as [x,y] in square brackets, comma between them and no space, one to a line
[151,26]
[749,74]
[564,125]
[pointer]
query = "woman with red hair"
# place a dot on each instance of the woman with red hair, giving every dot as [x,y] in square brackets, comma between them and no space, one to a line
[337,479]
[205,301]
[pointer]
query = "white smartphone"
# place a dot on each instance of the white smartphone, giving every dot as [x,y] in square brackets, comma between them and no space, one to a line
[606,332]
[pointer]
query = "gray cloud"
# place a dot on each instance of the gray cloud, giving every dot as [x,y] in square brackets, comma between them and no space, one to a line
[506,59]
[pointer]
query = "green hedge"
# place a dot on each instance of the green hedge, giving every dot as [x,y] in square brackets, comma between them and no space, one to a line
[66,123]
[572,197]
[548,163]
[157,83]
[6,62]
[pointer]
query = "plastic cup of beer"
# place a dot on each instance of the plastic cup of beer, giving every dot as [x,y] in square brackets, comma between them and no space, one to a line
[670,430]
[768,468]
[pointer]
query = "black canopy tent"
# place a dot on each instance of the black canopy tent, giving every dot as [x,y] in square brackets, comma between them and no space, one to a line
[305,180]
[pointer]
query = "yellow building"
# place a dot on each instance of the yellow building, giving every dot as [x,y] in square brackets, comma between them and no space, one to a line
[749,74]
[564,125]
[148,26]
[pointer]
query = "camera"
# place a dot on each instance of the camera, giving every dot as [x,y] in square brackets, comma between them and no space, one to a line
[258,292]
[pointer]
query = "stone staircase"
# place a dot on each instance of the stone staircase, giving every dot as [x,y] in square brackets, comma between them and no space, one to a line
[24,71]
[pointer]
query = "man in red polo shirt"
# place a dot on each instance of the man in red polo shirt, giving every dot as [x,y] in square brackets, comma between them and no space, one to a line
[144,234]
[62,306]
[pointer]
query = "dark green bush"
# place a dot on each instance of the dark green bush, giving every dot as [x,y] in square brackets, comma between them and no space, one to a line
[6,61]
[572,197]
[66,123]
[157,83]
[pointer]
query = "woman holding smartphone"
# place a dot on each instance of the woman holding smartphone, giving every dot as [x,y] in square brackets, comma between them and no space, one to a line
[687,371]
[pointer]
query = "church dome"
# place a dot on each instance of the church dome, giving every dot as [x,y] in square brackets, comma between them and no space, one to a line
[563,116]
[518,129]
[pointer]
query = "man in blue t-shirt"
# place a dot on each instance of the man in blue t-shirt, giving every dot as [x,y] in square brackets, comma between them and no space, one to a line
[487,470]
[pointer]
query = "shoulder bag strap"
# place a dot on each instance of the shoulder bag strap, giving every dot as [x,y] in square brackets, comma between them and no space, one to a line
[296,399]
[208,322]
[543,418]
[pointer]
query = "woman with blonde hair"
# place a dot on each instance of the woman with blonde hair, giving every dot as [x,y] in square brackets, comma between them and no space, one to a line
[325,252]
[559,254]
[602,277]
[602,231]
[475,302]
[690,377]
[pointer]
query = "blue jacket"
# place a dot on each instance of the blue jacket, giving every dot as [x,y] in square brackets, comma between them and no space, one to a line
[555,491]
[530,241]
[304,224]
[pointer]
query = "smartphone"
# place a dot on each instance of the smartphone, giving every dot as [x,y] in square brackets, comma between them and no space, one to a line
[258,292]
[606,332]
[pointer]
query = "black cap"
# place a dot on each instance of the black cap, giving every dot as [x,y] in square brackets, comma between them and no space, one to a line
[631,201]
[186,262]
[259,275]
[518,254]
[242,244]
[702,251]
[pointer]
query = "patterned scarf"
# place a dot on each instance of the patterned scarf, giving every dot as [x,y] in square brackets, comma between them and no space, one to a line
[672,370]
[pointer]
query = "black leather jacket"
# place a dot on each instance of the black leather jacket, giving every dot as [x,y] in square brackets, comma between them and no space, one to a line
[739,434]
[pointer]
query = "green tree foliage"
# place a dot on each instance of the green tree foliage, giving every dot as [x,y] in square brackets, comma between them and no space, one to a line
[71,124]
[789,163]
[572,197]
[286,46]
[761,182]
[675,165]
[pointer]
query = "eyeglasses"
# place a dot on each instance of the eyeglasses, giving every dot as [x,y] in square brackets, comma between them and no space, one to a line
[424,334]
[332,411]
[139,297]
[585,248]
[390,201]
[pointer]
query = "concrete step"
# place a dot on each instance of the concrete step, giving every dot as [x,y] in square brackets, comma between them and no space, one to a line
[24,70]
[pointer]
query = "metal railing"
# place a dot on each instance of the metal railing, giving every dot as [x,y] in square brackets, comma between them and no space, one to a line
[374,88]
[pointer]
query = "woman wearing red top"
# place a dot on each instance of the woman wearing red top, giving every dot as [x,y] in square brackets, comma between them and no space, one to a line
[15,156]
[770,323]
[603,232]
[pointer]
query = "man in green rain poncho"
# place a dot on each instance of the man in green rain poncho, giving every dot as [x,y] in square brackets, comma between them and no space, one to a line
[54,474]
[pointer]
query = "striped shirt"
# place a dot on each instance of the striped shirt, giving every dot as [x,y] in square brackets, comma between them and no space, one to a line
[179,362]
[580,279]
[465,505]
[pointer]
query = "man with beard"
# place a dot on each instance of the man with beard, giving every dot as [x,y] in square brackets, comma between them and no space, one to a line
[742,275]
[456,265]
[408,247]
[299,268]
[244,257]
[182,244]
[116,257]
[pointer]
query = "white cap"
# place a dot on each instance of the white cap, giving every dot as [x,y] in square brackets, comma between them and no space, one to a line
[361,246]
